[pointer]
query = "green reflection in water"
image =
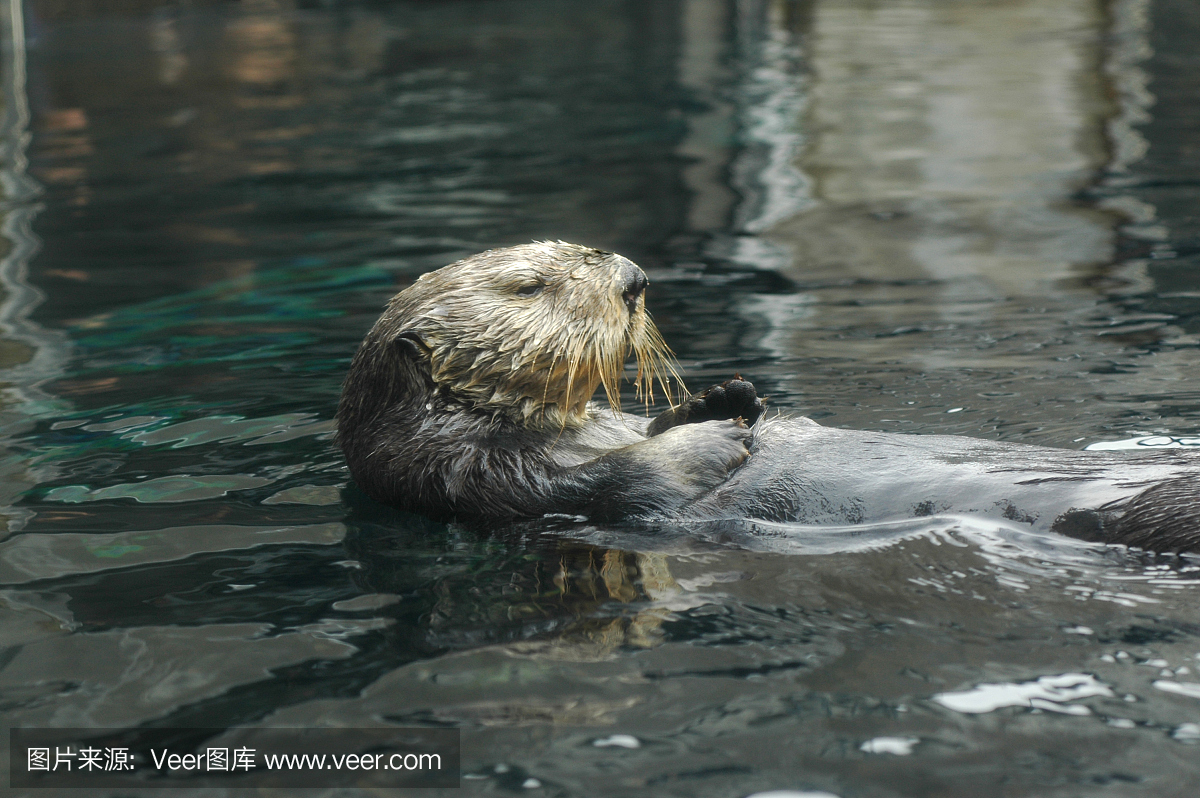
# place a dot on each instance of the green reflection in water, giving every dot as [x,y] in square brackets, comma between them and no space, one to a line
[163,489]
[264,315]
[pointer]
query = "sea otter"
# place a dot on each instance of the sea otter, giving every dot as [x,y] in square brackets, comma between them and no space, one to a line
[471,398]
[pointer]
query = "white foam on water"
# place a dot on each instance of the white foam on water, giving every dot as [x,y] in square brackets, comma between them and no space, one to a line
[1190,689]
[618,741]
[1187,732]
[1144,442]
[1048,692]
[898,746]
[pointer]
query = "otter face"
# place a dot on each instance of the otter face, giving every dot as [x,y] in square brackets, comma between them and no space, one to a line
[531,331]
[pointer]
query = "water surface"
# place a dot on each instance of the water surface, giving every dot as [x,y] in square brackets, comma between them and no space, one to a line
[916,216]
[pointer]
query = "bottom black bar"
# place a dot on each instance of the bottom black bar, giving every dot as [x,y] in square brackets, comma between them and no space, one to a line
[249,757]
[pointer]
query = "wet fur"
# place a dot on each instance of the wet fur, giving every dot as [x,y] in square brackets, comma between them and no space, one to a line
[469,399]
[469,396]
[800,471]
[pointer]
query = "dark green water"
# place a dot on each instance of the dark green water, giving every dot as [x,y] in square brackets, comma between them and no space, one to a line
[922,216]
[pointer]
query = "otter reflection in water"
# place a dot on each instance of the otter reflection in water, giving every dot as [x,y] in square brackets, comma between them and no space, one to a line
[471,398]
[531,593]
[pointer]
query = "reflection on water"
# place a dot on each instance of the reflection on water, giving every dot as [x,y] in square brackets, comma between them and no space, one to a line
[948,142]
[970,171]
[915,216]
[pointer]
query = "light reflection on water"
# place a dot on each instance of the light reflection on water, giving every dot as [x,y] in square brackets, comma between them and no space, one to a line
[916,216]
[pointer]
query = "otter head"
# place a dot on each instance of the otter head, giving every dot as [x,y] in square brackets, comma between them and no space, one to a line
[531,331]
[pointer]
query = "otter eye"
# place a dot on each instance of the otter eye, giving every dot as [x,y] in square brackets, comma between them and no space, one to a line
[533,289]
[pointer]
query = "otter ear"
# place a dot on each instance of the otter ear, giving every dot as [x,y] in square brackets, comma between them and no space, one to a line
[410,344]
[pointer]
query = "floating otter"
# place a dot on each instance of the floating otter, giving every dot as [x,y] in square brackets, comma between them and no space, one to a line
[471,398]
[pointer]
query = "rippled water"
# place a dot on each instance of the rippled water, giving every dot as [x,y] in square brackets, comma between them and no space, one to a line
[917,216]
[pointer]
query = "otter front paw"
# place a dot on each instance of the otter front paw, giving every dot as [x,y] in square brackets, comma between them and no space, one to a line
[709,452]
[731,399]
[657,475]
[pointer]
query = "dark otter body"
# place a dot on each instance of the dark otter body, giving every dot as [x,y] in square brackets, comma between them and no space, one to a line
[469,398]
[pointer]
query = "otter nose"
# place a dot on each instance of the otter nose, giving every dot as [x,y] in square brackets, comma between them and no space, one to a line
[634,282]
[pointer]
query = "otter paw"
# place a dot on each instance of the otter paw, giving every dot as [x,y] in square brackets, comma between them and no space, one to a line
[707,453]
[735,398]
